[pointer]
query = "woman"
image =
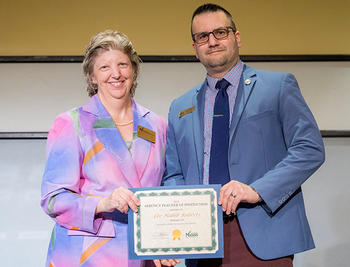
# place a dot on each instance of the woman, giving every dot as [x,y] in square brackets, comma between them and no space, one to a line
[94,153]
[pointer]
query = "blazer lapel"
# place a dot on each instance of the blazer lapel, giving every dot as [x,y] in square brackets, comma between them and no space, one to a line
[245,87]
[108,134]
[198,126]
[141,148]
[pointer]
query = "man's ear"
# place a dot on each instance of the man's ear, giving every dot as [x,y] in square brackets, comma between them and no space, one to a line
[238,39]
[194,48]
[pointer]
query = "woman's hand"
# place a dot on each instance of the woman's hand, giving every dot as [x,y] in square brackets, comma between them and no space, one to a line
[120,199]
[167,262]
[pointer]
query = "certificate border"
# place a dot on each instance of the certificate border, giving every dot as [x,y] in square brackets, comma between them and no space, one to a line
[184,192]
[219,253]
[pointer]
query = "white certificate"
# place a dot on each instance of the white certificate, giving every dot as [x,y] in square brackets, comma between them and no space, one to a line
[181,222]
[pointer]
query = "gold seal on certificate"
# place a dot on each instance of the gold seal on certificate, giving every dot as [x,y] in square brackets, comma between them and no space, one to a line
[181,222]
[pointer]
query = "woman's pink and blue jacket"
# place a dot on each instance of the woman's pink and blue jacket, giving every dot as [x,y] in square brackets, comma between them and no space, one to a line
[86,160]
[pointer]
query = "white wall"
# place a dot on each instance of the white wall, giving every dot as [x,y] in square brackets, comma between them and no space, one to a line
[32,94]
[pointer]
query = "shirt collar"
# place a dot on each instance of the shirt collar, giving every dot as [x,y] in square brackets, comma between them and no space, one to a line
[233,76]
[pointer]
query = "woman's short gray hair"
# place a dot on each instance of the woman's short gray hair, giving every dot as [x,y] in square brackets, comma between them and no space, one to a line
[105,41]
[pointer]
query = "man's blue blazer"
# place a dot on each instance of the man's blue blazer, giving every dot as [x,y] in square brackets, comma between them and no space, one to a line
[275,145]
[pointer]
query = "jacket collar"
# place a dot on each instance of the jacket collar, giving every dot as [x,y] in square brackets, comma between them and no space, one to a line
[245,87]
[132,166]
[198,126]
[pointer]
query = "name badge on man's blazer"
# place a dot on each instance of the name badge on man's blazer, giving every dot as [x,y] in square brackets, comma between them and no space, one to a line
[146,134]
[186,111]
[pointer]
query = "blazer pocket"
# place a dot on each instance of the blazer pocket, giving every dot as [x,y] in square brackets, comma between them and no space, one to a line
[258,116]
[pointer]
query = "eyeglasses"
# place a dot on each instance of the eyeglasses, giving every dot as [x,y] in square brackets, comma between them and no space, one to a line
[219,34]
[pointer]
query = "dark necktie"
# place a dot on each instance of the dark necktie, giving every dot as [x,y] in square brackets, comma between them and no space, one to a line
[218,166]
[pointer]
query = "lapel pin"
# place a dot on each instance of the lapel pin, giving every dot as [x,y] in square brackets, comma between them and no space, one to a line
[247,81]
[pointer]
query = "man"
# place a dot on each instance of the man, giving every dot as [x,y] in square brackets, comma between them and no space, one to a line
[251,131]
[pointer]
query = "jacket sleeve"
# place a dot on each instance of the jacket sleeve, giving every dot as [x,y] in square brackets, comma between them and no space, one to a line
[305,150]
[173,173]
[61,196]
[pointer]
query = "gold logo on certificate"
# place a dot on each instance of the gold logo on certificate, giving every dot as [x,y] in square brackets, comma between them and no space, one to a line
[177,234]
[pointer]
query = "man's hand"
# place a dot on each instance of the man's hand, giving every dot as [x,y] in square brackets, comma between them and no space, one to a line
[234,192]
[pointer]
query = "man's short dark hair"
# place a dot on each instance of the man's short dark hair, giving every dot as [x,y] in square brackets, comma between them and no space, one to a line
[209,8]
